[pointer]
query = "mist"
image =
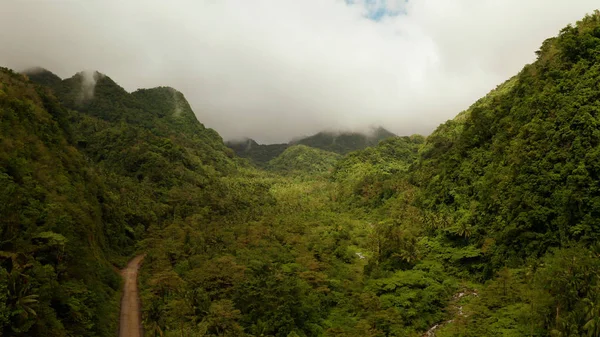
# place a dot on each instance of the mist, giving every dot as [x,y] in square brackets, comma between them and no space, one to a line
[273,70]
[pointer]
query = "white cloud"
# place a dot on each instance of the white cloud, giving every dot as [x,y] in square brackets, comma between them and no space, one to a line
[276,69]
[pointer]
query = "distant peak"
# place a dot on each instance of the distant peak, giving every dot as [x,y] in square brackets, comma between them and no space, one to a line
[36,70]
[42,76]
[160,89]
[91,75]
[88,80]
[380,132]
[243,141]
[166,101]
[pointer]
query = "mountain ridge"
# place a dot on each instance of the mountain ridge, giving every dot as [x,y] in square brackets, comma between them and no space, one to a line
[340,142]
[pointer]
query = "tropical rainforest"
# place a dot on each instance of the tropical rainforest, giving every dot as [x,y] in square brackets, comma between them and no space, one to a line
[487,227]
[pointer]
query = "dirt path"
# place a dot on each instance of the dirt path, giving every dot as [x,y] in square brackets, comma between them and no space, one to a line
[130,323]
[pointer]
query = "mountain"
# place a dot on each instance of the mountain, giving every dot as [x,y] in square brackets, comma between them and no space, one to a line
[259,154]
[344,142]
[158,115]
[524,157]
[336,142]
[43,76]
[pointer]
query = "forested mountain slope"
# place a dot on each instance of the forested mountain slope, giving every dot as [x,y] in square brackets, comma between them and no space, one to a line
[522,167]
[516,179]
[344,142]
[259,154]
[84,180]
[152,142]
[336,142]
[55,237]
[303,159]
[371,176]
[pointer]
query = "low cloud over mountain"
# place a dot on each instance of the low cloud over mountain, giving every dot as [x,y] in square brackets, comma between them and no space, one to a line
[274,70]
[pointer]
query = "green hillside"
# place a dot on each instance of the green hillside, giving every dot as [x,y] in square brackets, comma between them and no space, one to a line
[344,142]
[336,142]
[83,181]
[259,154]
[371,176]
[303,159]
[515,179]
[55,234]
[522,160]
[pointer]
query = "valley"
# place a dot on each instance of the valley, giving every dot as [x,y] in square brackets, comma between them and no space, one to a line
[486,227]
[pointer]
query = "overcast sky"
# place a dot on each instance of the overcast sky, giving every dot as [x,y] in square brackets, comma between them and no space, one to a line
[273,70]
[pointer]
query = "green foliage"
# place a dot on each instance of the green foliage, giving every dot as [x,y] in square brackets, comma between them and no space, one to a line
[221,320]
[51,228]
[340,143]
[42,76]
[519,170]
[509,194]
[415,293]
[259,154]
[303,159]
[375,174]
[66,211]
[554,296]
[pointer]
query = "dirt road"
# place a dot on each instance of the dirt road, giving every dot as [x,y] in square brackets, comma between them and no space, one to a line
[130,324]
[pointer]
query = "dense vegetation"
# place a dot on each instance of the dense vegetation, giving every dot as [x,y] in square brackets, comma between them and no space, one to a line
[336,142]
[303,159]
[55,240]
[259,154]
[516,180]
[485,228]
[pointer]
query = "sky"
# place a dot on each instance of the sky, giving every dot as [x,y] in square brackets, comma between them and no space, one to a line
[274,70]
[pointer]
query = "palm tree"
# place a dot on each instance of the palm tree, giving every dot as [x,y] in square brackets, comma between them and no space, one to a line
[20,300]
[592,317]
